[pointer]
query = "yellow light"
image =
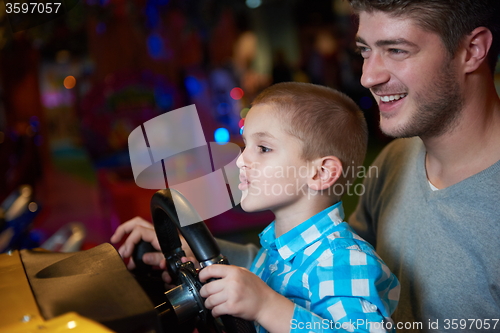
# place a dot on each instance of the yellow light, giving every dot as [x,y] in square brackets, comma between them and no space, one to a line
[69,82]
[71,324]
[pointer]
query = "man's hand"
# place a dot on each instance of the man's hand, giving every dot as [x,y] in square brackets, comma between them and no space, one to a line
[242,294]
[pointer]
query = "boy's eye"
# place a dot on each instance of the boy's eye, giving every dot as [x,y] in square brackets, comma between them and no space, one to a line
[264,149]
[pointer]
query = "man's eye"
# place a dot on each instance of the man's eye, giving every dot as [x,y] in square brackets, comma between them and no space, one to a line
[397,51]
[264,149]
[363,51]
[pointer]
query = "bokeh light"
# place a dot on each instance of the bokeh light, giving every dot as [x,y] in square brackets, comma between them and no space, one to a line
[244,112]
[69,82]
[221,135]
[155,46]
[193,85]
[253,3]
[236,93]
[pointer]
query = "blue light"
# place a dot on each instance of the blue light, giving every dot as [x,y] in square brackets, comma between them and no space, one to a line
[193,86]
[155,46]
[221,135]
[253,3]
[241,130]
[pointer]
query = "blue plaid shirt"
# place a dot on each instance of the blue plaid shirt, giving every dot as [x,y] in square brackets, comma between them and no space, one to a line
[333,276]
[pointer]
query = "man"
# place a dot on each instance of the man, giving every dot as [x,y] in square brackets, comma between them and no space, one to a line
[433,211]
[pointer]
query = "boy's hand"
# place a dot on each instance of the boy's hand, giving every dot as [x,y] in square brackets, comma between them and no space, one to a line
[140,229]
[242,294]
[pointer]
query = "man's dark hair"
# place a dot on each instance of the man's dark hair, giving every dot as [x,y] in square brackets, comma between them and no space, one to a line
[450,19]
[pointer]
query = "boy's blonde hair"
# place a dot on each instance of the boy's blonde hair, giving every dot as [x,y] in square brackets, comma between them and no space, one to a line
[327,121]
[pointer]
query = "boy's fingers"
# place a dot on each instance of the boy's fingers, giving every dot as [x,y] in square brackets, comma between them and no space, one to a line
[192,259]
[138,234]
[118,235]
[131,264]
[214,301]
[155,242]
[166,277]
[163,264]
[214,271]
[220,310]
[153,258]
[212,288]
[127,227]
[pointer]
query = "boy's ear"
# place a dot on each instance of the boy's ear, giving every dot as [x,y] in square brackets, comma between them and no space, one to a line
[327,170]
[477,44]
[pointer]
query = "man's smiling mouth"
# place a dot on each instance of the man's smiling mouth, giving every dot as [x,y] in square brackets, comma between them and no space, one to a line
[391,98]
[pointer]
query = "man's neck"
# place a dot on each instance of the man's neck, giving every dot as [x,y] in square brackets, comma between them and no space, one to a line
[471,146]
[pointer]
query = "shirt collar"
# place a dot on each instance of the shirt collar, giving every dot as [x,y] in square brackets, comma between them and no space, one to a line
[304,234]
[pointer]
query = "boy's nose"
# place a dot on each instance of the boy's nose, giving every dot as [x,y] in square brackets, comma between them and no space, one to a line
[374,71]
[240,163]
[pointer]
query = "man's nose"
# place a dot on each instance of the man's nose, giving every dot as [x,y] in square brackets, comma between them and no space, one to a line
[375,71]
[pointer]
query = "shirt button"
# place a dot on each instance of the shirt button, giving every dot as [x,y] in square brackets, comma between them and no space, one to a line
[273,267]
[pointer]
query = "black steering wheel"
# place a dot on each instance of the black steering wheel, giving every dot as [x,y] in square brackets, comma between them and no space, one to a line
[185,300]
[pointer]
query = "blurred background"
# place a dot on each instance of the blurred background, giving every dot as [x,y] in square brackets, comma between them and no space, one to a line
[72,89]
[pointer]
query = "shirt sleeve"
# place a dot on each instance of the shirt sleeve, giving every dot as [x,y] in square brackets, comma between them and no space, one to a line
[351,291]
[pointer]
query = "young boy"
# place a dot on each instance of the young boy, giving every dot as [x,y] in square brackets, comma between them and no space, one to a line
[313,272]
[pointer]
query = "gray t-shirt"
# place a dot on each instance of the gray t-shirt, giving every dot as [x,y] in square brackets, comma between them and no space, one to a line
[444,246]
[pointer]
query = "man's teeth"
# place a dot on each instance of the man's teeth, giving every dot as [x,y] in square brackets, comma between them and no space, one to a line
[391,98]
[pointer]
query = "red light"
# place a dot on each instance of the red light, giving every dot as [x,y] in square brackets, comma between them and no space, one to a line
[241,123]
[236,93]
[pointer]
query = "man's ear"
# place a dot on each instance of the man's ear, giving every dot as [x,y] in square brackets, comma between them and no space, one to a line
[327,170]
[477,44]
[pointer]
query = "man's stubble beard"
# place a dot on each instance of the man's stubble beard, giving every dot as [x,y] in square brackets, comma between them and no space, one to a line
[438,113]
